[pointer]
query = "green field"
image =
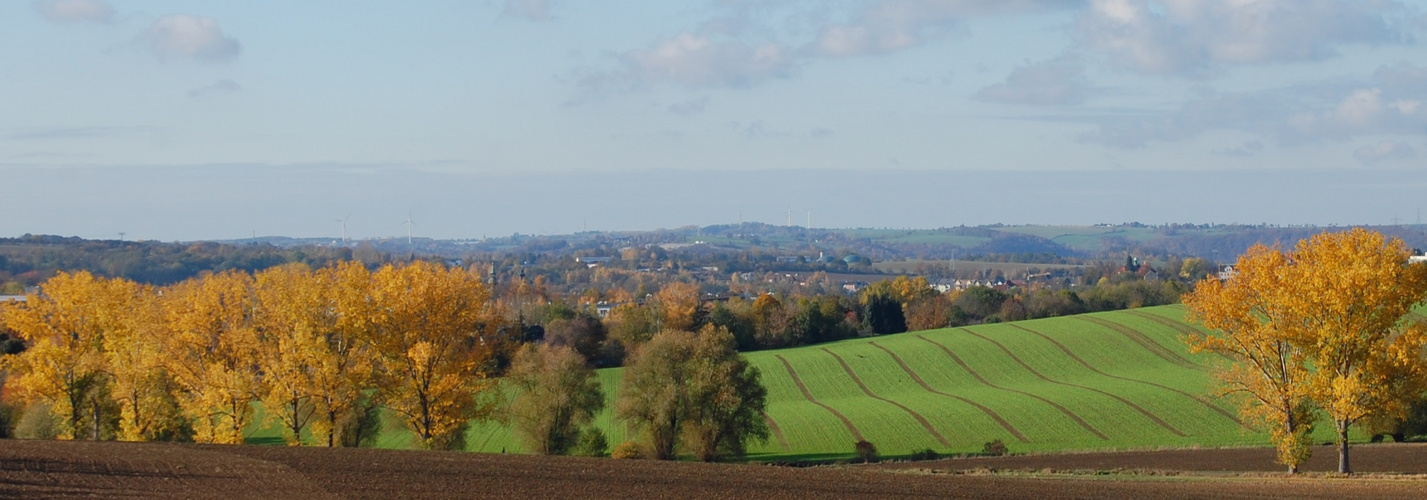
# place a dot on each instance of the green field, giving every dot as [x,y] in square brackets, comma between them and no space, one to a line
[1116,380]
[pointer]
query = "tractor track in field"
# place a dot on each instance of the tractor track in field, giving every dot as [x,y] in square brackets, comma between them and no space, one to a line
[1207,404]
[1148,414]
[856,434]
[1066,411]
[920,419]
[918,379]
[1177,326]
[1143,340]
[777,431]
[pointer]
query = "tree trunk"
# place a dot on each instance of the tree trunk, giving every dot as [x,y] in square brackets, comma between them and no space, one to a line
[1291,425]
[1343,467]
[94,404]
[332,432]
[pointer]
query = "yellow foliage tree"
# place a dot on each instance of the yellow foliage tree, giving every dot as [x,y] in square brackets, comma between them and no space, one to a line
[1251,313]
[213,352]
[345,367]
[134,359]
[433,336]
[1352,291]
[1324,322]
[292,319]
[64,364]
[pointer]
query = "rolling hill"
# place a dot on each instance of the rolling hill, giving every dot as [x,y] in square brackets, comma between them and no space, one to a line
[1116,380]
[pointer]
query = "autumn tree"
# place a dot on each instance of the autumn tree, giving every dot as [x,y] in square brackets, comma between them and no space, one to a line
[1252,319]
[345,365]
[557,395]
[64,365]
[213,353]
[134,354]
[433,333]
[694,387]
[1352,291]
[679,306]
[1325,323]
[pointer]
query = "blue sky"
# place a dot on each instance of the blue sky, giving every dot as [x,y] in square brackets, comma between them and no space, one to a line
[203,119]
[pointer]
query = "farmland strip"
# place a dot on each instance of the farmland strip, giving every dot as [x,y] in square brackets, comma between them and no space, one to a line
[920,419]
[1038,374]
[979,378]
[989,412]
[856,434]
[1143,340]
[1177,326]
[1215,408]
[777,431]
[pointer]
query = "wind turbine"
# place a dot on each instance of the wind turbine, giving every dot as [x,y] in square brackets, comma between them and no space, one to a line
[409,223]
[344,226]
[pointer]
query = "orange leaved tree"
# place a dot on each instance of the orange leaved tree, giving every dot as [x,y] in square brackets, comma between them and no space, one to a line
[212,353]
[433,335]
[1352,292]
[64,364]
[1325,322]
[1252,316]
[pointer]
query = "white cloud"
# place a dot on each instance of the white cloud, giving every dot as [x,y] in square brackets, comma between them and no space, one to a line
[1390,102]
[75,11]
[699,61]
[530,10]
[1384,151]
[1057,82]
[890,25]
[1198,37]
[183,36]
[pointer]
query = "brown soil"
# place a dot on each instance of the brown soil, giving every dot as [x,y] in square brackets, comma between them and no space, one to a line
[1386,458]
[49,469]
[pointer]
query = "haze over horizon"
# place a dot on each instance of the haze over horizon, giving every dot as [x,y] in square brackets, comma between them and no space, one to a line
[195,120]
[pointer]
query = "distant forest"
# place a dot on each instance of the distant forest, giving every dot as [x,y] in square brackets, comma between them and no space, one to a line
[751,247]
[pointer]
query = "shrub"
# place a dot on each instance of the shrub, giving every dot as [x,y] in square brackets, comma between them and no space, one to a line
[627,450]
[994,448]
[592,443]
[866,452]
[927,454]
[36,422]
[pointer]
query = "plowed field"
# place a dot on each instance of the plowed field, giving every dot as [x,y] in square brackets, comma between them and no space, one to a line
[49,469]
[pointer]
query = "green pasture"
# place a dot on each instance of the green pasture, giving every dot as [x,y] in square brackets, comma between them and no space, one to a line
[1115,380]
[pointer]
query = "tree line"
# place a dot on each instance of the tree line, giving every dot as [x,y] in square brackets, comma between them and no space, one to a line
[330,353]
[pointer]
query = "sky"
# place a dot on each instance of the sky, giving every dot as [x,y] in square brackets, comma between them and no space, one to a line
[194,119]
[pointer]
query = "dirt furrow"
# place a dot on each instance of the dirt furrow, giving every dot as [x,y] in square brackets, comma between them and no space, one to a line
[989,412]
[1207,404]
[1066,411]
[920,419]
[1148,414]
[1177,326]
[777,431]
[1143,340]
[856,434]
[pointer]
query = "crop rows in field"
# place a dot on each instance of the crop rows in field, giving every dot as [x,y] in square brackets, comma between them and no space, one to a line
[1101,381]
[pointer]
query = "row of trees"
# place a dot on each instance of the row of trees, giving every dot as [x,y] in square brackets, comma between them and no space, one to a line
[1319,329]
[319,348]
[325,351]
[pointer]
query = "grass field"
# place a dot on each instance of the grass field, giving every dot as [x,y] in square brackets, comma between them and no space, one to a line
[1104,381]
